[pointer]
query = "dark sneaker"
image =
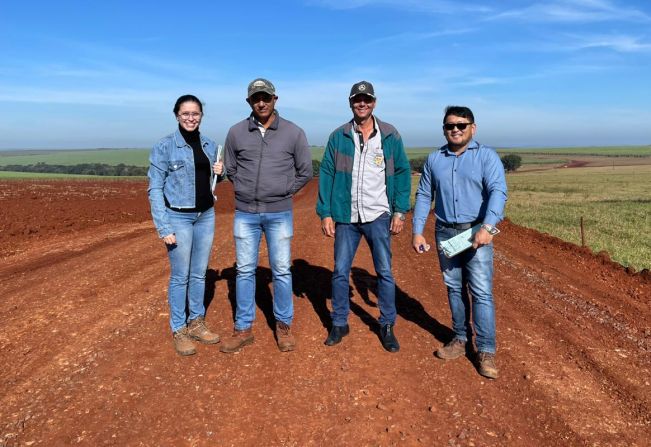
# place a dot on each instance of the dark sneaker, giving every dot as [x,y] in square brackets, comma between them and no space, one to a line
[284,337]
[197,330]
[389,340]
[237,340]
[452,350]
[486,365]
[336,334]
[183,343]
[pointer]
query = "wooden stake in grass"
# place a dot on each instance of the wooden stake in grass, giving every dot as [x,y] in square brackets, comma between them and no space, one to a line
[582,234]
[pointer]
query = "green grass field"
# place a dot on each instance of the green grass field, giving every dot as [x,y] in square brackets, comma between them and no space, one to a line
[615,204]
[139,157]
[133,157]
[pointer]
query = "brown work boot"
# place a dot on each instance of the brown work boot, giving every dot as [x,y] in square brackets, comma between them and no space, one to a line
[284,337]
[183,343]
[486,365]
[237,340]
[452,350]
[197,330]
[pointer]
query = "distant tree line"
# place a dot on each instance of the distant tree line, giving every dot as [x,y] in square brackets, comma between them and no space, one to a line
[120,170]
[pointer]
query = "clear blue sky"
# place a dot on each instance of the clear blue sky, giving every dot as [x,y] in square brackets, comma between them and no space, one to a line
[536,73]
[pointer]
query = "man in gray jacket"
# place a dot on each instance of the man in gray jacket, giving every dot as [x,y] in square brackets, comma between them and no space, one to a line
[268,160]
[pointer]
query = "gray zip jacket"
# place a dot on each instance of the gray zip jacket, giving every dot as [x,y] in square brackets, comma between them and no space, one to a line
[267,171]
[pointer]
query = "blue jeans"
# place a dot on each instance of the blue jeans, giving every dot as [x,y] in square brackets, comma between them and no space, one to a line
[378,237]
[469,270]
[278,229]
[189,261]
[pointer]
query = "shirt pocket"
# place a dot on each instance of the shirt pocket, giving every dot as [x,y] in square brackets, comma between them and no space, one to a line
[375,160]
[177,174]
[176,165]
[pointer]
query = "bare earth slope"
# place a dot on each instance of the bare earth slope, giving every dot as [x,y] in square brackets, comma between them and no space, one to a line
[87,357]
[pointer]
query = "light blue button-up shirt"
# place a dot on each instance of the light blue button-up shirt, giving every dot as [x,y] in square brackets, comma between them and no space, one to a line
[467,188]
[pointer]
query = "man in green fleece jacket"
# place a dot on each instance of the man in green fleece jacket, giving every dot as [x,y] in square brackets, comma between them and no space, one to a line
[364,188]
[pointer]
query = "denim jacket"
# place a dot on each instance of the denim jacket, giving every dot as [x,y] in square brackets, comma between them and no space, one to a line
[171,176]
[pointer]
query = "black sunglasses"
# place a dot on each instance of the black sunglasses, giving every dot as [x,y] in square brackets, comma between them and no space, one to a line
[460,126]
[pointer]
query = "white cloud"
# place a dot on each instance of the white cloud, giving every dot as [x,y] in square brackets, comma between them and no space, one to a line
[574,11]
[619,43]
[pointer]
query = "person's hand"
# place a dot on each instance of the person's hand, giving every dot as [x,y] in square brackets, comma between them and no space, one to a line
[328,226]
[218,167]
[170,239]
[397,225]
[482,237]
[419,243]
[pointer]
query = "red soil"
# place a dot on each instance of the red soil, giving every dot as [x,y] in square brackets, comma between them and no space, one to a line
[87,357]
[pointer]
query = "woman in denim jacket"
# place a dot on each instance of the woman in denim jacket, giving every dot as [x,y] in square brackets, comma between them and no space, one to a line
[181,199]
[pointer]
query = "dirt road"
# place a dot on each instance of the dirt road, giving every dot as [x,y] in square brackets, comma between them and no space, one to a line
[87,357]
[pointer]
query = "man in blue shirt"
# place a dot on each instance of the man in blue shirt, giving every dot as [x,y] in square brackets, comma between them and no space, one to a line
[466,182]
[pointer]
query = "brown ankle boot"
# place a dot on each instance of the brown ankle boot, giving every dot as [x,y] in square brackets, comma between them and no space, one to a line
[284,337]
[486,365]
[183,343]
[237,340]
[198,330]
[452,350]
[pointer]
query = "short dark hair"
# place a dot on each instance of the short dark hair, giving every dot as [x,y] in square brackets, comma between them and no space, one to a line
[186,98]
[462,111]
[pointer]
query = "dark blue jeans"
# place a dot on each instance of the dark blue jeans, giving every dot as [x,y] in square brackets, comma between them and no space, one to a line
[347,237]
[469,270]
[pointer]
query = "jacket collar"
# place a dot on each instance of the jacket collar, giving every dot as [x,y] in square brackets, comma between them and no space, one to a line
[253,123]
[180,141]
[472,145]
[385,128]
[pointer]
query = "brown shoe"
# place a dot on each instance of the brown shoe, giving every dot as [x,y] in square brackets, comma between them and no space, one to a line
[183,343]
[284,337]
[452,350]
[237,340]
[197,330]
[486,365]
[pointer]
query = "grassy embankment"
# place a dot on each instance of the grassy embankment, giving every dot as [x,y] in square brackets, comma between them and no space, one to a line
[614,201]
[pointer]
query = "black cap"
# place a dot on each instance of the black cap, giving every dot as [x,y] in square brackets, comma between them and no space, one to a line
[261,85]
[362,88]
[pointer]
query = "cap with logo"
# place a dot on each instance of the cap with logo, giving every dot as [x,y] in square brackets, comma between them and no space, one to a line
[261,85]
[362,88]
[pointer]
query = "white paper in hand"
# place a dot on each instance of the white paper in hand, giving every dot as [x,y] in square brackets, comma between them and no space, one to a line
[214,177]
[460,242]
